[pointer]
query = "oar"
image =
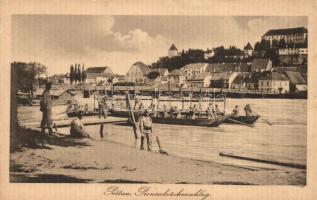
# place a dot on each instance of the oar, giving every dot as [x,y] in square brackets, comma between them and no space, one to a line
[269,123]
[240,122]
[266,121]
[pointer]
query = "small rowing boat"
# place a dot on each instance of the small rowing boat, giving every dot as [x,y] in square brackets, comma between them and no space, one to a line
[243,119]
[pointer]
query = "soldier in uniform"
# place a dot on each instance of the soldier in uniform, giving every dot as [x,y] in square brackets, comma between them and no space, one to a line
[146,129]
[46,109]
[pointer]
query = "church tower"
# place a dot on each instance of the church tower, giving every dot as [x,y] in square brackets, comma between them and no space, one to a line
[172,51]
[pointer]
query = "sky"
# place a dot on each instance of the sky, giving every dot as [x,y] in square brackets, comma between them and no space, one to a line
[57,41]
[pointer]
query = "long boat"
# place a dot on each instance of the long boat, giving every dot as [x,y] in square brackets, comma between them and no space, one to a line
[173,120]
[230,118]
[190,122]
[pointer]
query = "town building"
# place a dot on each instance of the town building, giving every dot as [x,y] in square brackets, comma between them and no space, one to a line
[223,79]
[297,81]
[261,65]
[240,82]
[295,35]
[172,51]
[177,76]
[138,73]
[248,50]
[158,75]
[193,69]
[61,78]
[244,68]
[223,67]
[253,80]
[57,94]
[117,78]
[199,80]
[98,74]
[274,82]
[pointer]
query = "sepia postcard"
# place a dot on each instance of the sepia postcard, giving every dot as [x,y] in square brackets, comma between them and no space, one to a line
[158,99]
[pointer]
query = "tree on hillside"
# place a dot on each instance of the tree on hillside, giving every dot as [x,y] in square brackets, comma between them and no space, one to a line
[219,56]
[153,75]
[79,78]
[257,47]
[75,73]
[264,45]
[273,56]
[83,75]
[71,75]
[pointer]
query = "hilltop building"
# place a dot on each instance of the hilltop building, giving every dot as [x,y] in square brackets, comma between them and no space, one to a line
[248,50]
[137,73]
[172,51]
[296,49]
[98,74]
[295,35]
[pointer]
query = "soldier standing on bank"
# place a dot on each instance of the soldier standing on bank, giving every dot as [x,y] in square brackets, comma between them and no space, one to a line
[46,108]
[146,129]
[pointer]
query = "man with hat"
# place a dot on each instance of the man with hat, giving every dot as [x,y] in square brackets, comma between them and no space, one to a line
[46,109]
[146,129]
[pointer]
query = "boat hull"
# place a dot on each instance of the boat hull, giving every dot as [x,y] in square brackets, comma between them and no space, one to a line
[243,119]
[124,114]
[190,122]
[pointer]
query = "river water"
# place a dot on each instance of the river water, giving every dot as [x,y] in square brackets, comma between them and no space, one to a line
[284,141]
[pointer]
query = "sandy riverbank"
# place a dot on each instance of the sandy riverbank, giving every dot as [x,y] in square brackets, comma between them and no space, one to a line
[73,160]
